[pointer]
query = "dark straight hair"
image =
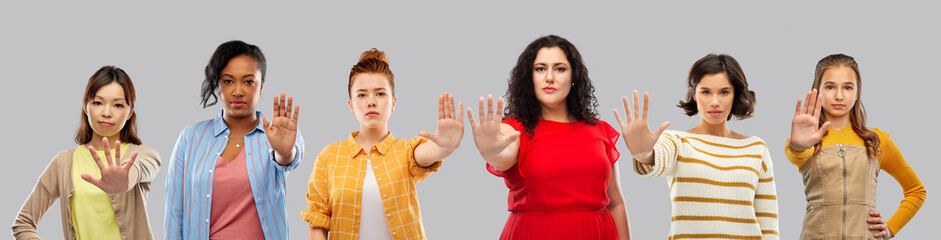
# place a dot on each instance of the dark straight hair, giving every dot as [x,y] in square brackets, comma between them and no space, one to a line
[104,76]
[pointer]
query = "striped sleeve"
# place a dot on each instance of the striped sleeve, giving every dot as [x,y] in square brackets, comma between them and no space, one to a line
[766,199]
[173,205]
[664,158]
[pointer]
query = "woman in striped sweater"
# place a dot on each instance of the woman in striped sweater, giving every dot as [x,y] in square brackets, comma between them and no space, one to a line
[837,152]
[721,182]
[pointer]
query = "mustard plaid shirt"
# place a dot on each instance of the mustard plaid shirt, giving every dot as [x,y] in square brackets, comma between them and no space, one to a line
[335,188]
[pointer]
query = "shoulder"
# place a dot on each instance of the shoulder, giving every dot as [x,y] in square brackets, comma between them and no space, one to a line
[142,150]
[880,133]
[513,122]
[197,127]
[63,156]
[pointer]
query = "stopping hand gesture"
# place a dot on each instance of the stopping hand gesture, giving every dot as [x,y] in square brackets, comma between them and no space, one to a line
[114,174]
[282,130]
[805,131]
[488,137]
[637,135]
[450,128]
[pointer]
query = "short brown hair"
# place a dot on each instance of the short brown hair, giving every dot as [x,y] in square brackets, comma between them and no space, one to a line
[104,76]
[743,105]
[372,61]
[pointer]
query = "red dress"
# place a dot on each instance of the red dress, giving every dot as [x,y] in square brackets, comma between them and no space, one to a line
[558,186]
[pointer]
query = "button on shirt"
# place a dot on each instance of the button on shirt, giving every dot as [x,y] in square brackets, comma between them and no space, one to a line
[190,178]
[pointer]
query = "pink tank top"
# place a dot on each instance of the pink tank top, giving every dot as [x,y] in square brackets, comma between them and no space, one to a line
[233,213]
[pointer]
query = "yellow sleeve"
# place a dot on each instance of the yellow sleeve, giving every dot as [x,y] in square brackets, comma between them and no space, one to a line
[418,172]
[891,160]
[795,157]
[318,211]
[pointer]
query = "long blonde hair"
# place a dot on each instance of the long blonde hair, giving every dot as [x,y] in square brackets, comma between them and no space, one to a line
[858,113]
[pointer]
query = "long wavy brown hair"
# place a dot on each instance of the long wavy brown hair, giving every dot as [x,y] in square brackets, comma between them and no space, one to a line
[858,113]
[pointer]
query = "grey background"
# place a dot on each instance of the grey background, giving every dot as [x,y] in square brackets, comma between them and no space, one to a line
[50,49]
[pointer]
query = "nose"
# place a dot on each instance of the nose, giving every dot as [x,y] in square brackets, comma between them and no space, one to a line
[371,101]
[839,95]
[550,77]
[715,101]
[107,112]
[238,91]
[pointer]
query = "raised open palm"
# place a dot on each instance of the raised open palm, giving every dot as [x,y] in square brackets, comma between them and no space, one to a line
[114,175]
[450,128]
[805,131]
[282,131]
[488,137]
[637,135]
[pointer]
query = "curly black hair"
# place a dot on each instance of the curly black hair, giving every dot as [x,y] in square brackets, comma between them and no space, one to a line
[220,58]
[522,103]
[743,105]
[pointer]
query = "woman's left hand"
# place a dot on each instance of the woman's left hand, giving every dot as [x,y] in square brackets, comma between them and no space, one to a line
[282,131]
[877,223]
[450,128]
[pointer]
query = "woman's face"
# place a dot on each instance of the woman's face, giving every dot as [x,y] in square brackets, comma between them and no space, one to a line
[240,86]
[838,86]
[552,77]
[108,111]
[372,101]
[714,98]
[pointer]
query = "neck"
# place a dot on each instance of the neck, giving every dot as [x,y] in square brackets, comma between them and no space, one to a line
[558,113]
[96,141]
[240,124]
[719,130]
[370,136]
[839,122]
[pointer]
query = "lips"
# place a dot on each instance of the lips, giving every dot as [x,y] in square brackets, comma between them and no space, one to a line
[238,103]
[372,114]
[714,113]
[549,89]
[105,124]
[838,106]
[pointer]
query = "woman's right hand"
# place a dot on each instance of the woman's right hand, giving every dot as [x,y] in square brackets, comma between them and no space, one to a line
[805,132]
[488,136]
[640,141]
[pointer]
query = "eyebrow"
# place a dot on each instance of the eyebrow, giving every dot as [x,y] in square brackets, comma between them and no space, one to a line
[832,82]
[374,89]
[711,88]
[555,64]
[230,75]
[116,99]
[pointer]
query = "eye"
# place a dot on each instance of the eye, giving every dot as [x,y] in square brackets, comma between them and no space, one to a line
[118,105]
[540,69]
[829,87]
[706,92]
[96,103]
[725,92]
[227,81]
[249,82]
[560,69]
[381,94]
[360,95]
[848,87]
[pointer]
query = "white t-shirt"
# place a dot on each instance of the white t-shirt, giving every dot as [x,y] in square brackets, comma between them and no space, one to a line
[372,221]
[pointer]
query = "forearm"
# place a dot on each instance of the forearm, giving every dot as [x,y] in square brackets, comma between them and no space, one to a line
[317,234]
[429,153]
[619,213]
[133,178]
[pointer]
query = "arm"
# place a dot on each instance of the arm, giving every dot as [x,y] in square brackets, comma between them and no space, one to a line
[317,234]
[616,205]
[892,161]
[766,199]
[318,211]
[497,143]
[173,199]
[44,194]
[447,137]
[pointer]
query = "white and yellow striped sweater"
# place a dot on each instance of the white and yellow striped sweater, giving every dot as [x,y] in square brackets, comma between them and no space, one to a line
[722,188]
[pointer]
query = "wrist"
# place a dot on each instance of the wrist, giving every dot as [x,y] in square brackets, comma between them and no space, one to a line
[796,148]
